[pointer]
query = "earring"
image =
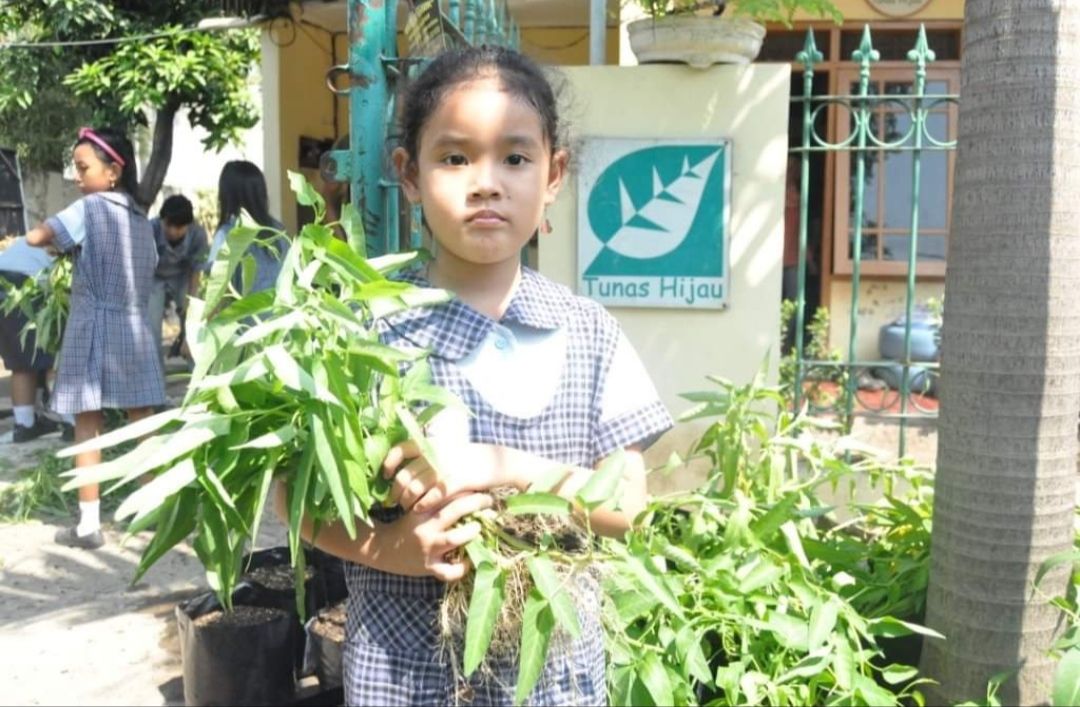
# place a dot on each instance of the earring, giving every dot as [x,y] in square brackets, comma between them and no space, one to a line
[545,227]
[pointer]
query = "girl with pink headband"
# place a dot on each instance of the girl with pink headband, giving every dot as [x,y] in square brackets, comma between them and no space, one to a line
[108,357]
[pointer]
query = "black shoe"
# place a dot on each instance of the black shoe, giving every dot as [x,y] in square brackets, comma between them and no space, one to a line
[42,426]
[67,432]
[68,536]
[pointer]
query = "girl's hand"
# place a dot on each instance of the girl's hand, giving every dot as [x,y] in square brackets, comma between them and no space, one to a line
[462,466]
[417,544]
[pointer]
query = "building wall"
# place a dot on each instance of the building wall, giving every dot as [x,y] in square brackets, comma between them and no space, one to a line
[880,302]
[748,105]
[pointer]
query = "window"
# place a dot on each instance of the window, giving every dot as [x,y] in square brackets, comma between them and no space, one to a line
[887,181]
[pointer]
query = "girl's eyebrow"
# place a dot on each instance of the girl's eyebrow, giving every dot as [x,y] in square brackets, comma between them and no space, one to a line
[513,140]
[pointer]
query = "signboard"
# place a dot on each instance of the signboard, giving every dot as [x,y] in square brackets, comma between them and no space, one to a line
[898,8]
[653,222]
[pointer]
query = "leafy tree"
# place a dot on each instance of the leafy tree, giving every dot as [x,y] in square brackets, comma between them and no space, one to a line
[119,83]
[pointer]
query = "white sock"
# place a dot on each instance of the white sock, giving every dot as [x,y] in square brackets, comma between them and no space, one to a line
[89,517]
[24,415]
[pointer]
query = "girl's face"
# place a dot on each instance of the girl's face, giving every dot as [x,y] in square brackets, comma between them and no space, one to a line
[484,173]
[91,173]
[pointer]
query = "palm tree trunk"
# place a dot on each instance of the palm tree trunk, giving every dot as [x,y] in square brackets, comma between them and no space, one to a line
[1007,454]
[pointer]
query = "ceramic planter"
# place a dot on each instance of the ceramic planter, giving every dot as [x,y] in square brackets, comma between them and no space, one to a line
[694,40]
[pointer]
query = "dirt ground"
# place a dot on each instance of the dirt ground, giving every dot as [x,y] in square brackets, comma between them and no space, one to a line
[73,629]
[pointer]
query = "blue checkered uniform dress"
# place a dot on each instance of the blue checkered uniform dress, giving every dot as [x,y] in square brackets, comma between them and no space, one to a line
[391,654]
[108,357]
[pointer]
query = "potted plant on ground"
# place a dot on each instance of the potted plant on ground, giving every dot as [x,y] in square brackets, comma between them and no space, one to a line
[706,32]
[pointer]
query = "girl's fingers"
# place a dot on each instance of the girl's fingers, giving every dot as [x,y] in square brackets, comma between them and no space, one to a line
[452,512]
[412,482]
[451,571]
[397,456]
[460,535]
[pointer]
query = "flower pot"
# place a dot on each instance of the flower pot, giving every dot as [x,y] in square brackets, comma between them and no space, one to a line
[242,658]
[270,572]
[326,644]
[697,41]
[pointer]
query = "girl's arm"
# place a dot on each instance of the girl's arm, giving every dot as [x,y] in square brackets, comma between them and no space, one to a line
[41,236]
[478,467]
[416,545]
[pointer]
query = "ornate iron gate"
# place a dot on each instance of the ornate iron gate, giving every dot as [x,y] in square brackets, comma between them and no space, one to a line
[847,378]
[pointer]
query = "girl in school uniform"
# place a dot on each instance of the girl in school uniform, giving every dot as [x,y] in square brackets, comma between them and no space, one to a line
[107,358]
[552,383]
[242,187]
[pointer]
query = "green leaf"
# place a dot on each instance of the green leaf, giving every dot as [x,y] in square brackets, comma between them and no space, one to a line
[688,643]
[647,578]
[296,319]
[538,504]
[896,674]
[822,622]
[149,497]
[306,194]
[790,632]
[392,262]
[889,627]
[654,674]
[332,473]
[562,606]
[537,624]
[843,662]
[134,430]
[264,491]
[280,436]
[488,595]
[353,226]
[762,573]
[221,498]
[288,371]
[1060,558]
[1066,685]
[604,483]
[176,520]
[811,665]
[297,484]
[246,306]
[764,527]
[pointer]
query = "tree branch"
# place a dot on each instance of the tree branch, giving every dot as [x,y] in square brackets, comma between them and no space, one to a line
[160,154]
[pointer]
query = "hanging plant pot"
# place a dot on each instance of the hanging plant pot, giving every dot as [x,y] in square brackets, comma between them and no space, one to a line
[697,41]
[242,657]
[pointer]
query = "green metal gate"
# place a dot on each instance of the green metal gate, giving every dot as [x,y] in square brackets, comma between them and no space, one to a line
[847,376]
[376,74]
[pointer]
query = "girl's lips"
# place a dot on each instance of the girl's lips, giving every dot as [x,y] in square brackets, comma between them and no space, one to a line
[486,218]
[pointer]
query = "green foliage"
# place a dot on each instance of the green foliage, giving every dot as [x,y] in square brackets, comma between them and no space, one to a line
[35,491]
[290,383]
[780,11]
[47,93]
[823,381]
[751,590]
[45,302]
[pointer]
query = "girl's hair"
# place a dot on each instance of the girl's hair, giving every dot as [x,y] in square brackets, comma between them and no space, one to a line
[520,76]
[242,186]
[129,175]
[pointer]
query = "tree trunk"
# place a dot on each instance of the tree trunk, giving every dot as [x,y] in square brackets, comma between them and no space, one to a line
[1007,453]
[160,154]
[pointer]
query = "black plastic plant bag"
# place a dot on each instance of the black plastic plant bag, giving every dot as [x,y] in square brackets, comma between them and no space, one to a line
[236,665]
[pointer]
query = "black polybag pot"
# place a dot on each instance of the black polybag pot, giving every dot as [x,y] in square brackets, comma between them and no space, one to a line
[235,665]
[324,657]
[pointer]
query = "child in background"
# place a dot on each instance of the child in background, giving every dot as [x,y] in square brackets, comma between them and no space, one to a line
[242,187]
[552,383]
[107,358]
[182,246]
[26,363]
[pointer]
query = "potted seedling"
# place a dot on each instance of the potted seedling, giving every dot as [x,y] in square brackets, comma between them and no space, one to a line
[292,384]
[706,32]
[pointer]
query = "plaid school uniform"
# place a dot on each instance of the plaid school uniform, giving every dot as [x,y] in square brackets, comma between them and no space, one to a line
[392,654]
[107,358]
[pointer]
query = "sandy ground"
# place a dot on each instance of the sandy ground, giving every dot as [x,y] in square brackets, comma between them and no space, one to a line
[73,629]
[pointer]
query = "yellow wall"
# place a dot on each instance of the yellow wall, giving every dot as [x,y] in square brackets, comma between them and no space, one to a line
[880,302]
[749,105]
[855,10]
[566,46]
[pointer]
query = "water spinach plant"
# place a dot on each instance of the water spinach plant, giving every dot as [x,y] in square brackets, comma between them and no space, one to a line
[45,301]
[755,588]
[293,384]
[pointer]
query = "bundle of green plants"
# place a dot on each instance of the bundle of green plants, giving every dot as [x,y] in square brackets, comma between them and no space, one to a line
[293,384]
[45,301]
[752,589]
